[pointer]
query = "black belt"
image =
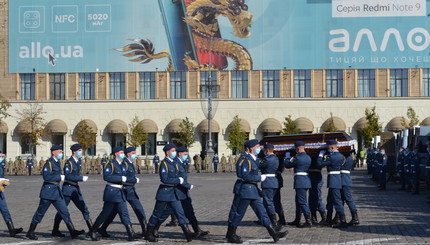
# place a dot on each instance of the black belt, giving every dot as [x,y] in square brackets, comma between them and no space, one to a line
[249,182]
[128,184]
[171,185]
[51,183]
[68,182]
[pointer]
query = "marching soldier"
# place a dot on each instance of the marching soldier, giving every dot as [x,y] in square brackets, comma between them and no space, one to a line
[408,168]
[268,166]
[115,175]
[29,165]
[345,172]
[382,162]
[3,205]
[333,162]
[167,195]
[249,195]
[223,163]
[400,167]
[71,190]
[315,194]
[51,194]
[156,160]
[215,162]
[130,194]
[301,163]
[277,198]
[416,170]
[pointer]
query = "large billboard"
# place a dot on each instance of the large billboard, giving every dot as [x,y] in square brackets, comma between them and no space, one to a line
[148,35]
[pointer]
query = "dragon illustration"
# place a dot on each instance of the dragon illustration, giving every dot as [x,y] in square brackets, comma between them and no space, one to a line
[202,16]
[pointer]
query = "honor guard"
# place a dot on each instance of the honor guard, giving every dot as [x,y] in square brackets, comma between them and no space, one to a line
[400,167]
[345,174]
[250,196]
[115,175]
[382,168]
[215,162]
[223,163]
[3,205]
[315,194]
[277,198]
[333,162]
[71,190]
[156,161]
[167,196]
[428,166]
[130,194]
[301,163]
[51,194]
[415,170]
[268,166]
[29,165]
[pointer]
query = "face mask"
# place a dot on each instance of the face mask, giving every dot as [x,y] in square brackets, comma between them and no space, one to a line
[59,156]
[329,151]
[79,154]
[184,158]
[172,155]
[1,159]
[121,156]
[257,151]
[133,157]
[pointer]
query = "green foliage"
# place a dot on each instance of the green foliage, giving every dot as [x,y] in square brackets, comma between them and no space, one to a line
[413,119]
[186,133]
[32,117]
[372,127]
[4,106]
[236,136]
[289,126]
[136,135]
[85,135]
[330,126]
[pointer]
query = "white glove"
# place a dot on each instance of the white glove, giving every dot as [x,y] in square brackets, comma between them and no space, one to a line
[287,154]
[321,154]
[137,180]
[124,178]
[84,178]
[263,177]
[63,177]
[181,180]
[191,187]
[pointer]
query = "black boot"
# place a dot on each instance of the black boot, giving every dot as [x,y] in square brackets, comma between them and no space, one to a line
[341,223]
[354,221]
[231,235]
[156,228]
[276,235]
[143,225]
[314,219]
[188,234]
[149,236]
[274,222]
[56,229]
[173,221]
[282,219]
[197,231]
[30,232]
[336,220]
[327,220]
[130,232]
[74,233]
[93,232]
[12,230]
[103,230]
[308,223]
[89,223]
[296,222]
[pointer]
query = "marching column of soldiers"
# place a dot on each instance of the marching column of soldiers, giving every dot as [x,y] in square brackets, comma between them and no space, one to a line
[259,182]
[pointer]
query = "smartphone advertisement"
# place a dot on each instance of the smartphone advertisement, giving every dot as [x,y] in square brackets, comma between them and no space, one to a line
[48,36]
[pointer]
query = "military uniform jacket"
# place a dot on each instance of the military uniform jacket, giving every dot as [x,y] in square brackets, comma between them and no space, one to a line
[250,178]
[382,161]
[215,160]
[333,162]
[156,159]
[129,190]
[401,161]
[112,174]
[51,177]
[301,163]
[185,186]
[238,166]
[29,163]
[344,171]
[314,173]
[72,176]
[414,163]
[2,176]
[269,165]
[169,176]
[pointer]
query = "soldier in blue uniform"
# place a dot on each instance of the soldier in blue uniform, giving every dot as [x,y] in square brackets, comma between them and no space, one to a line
[215,161]
[71,190]
[407,168]
[51,194]
[250,195]
[333,162]
[345,174]
[416,171]
[115,175]
[315,194]
[428,167]
[3,205]
[277,198]
[29,165]
[369,160]
[375,165]
[269,166]
[168,195]
[401,167]
[130,194]
[156,160]
[301,163]
[382,168]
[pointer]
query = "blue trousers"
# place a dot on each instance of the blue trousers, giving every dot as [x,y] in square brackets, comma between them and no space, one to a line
[187,205]
[334,199]
[44,204]
[159,213]
[258,208]
[315,197]
[233,209]
[108,208]
[403,179]
[137,208]
[268,202]
[277,202]
[302,201]
[347,197]
[382,177]
[79,202]
[3,209]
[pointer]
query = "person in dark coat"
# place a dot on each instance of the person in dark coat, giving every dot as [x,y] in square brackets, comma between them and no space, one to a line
[345,174]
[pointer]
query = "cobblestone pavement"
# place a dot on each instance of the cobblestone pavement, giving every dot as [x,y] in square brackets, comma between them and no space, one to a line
[387,217]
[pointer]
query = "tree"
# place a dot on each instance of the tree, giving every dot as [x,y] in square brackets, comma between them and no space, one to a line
[413,118]
[4,106]
[236,136]
[32,117]
[186,133]
[372,127]
[290,127]
[85,135]
[136,135]
[330,125]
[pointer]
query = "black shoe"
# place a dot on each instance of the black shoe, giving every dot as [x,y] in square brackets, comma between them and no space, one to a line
[342,222]
[12,230]
[197,231]
[150,234]
[314,219]
[57,233]
[74,233]
[281,219]
[323,221]
[231,235]
[174,221]
[296,222]
[308,222]
[188,234]
[276,235]
[131,235]
[354,221]
[30,233]
[156,228]
[93,232]
[103,233]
